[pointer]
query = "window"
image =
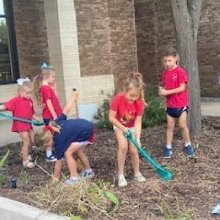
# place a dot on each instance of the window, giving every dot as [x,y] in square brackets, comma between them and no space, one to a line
[8,52]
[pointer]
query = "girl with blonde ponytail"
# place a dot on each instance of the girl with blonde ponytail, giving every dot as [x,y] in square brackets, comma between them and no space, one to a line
[126,110]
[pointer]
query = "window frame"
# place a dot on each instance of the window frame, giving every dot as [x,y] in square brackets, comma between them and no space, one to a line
[8,15]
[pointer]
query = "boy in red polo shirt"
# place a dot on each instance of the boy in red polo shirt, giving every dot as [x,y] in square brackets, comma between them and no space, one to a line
[22,106]
[174,89]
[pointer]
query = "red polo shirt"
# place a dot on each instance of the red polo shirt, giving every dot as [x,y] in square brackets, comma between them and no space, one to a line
[126,112]
[172,79]
[48,93]
[22,108]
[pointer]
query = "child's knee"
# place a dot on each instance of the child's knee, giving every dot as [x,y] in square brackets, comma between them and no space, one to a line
[123,149]
[26,141]
[170,127]
[183,126]
[133,151]
[68,153]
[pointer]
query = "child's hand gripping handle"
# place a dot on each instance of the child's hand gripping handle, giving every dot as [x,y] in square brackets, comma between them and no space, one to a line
[33,122]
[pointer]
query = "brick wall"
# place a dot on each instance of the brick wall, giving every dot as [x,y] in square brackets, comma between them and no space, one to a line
[92,27]
[155,29]
[122,39]
[30,28]
[106,35]
[209,48]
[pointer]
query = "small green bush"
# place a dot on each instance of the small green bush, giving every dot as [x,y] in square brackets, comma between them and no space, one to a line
[153,114]
[101,116]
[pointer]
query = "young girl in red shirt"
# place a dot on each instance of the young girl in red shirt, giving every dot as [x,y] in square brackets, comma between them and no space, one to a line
[174,89]
[126,110]
[22,106]
[46,94]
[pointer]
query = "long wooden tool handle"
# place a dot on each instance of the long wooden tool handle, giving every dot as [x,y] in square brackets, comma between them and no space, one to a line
[77,109]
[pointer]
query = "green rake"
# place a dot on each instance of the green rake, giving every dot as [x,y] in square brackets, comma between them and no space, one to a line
[33,122]
[164,174]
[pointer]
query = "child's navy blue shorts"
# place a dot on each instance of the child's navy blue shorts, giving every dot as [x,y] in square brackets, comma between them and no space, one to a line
[46,121]
[176,112]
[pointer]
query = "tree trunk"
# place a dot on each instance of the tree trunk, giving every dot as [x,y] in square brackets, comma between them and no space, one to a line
[186,14]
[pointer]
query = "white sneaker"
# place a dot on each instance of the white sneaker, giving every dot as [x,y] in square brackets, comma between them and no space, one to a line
[139,177]
[72,181]
[122,181]
[29,156]
[88,174]
[28,164]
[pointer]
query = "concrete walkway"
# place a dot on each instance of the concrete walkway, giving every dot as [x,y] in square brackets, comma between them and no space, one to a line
[209,107]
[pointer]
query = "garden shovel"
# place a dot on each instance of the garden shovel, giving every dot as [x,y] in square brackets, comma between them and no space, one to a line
[163,173]
[33,122]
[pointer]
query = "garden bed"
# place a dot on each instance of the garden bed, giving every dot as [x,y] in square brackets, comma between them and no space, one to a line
[192,193]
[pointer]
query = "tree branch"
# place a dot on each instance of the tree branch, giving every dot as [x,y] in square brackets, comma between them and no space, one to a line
[194,8]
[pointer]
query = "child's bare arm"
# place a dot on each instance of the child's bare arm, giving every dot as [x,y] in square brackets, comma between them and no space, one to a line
[138,127]
[51,108]
[57,169]
[115,122]
[71,102]
[166,92]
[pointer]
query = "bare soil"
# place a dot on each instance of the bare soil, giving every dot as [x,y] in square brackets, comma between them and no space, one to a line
[192,193]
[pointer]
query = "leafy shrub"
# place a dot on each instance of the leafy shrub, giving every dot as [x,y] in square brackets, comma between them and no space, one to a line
[101,116]
[154,113]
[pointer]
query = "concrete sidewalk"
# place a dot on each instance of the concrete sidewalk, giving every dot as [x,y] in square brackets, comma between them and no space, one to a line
[209,107]
[6,136]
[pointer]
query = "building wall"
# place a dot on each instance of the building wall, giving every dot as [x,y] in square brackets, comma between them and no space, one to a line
[155,29]
[107,41]
[31,35]
[93,37]
[107,38]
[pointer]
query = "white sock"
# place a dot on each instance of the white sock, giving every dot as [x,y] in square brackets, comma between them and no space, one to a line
[186,144]
[169,146]
[137,174]
[48,153]
[74,178]
[88,170]
[121,176]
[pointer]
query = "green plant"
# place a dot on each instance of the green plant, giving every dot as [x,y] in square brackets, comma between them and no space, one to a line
[178,213]
[3,33]
[83,199]
[2,163]
[23,177]
[154,113]
[101,116]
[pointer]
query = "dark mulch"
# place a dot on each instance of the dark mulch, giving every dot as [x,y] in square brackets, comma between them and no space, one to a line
[192,193]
